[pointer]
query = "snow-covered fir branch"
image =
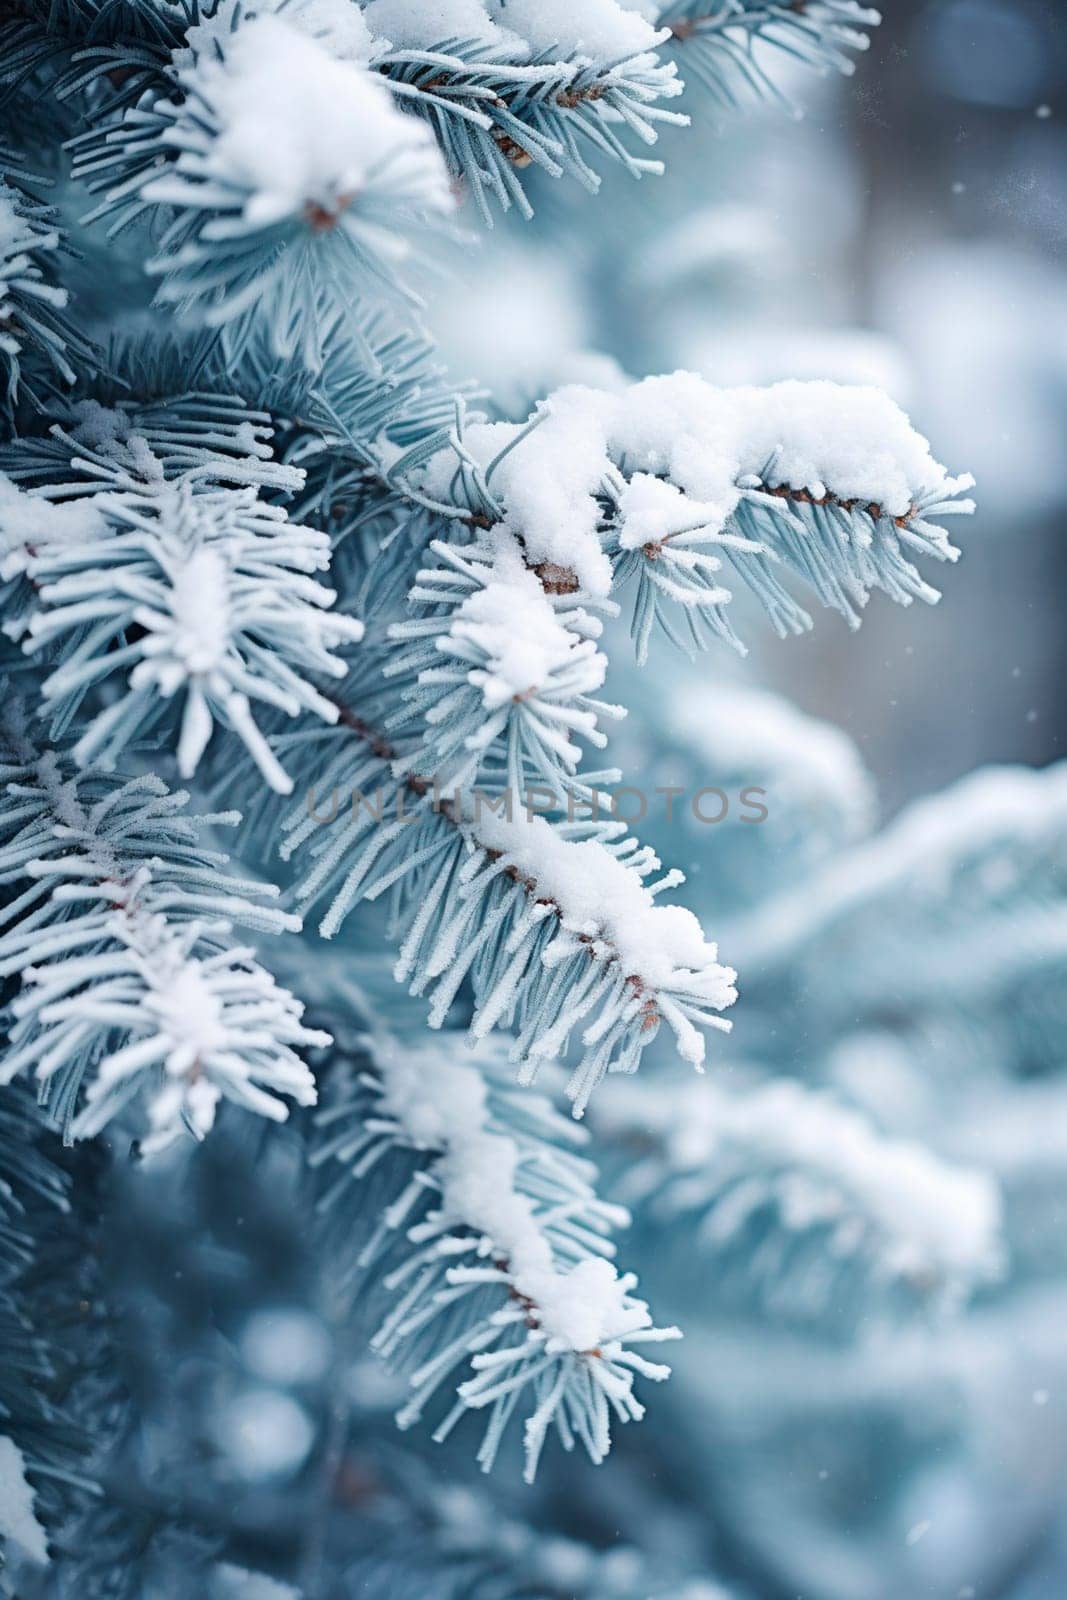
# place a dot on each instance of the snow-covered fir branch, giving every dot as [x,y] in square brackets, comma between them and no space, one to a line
[494,656]
[788,1189]
[661,484]
[510,86]
[194,590]
[552,924]
[117,922]
[492,1249]
[274,166]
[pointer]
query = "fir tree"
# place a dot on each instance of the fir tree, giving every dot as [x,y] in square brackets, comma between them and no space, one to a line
[254,539]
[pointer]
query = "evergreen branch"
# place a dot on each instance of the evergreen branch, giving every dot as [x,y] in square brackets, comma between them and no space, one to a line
[786,1191]
[496,110]
[719,42]
[493,658]
[491,1249]
[42,1448]
[37,340]
[118,925]
[257,203]
[104,52]
[554,927]
[658,485]
[165,570]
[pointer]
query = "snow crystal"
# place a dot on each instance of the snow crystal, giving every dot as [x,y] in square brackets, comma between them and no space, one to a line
[18,1521]
[300,127]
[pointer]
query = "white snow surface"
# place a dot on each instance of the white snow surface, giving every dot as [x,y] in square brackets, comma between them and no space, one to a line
[338,24]
[442,1105]
[18,1519]
[425,24]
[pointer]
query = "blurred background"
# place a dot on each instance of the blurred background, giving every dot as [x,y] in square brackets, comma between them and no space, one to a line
[908,230]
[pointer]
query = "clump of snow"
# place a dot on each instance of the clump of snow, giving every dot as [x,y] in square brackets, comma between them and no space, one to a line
[28,522]
[299,127]
[18,1519]
[548,483]
[604,901]
[428,24]
[108,431]
[512,623]
[338,25]
[600,32]
[651,509]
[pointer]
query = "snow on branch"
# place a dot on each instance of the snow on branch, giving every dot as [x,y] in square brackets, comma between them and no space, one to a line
[661,484]
[187,585]
[553,924]
[719,41]
[508,86]
[494,656]
[493,1254]
[802,1194]
[274,163]
[118,924]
